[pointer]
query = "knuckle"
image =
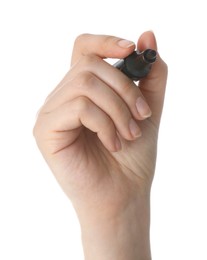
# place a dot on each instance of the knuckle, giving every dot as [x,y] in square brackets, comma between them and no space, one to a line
[121,110]
[109,125]
[80,39]
[128,86]
[108,41]
[83,104]
[37,129]
[90,60]
[34,131]
[86,80]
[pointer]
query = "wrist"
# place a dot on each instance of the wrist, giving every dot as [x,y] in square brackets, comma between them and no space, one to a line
[121,235]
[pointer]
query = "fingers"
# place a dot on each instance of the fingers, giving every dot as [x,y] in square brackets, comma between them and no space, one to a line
[152,87]
[67,120]
[102,46]
[86,84]
[99,97]
[111,86]
[117,81]
[108,89]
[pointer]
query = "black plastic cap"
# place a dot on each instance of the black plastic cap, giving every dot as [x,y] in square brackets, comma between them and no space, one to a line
[150,55]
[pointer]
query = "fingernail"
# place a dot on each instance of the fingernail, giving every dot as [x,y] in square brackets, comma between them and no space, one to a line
[134,129]
[125,43]
[143,108]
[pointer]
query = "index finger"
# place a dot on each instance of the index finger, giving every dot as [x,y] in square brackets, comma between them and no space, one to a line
[104,46]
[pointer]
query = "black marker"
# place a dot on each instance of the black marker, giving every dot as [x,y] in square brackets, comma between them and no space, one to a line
[138,64]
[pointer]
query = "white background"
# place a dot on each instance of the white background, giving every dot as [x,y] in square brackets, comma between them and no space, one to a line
[37,221]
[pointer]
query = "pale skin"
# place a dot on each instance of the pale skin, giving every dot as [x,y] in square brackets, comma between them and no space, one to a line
[98,133]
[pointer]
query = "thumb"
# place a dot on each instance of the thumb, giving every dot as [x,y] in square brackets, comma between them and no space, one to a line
[153,86]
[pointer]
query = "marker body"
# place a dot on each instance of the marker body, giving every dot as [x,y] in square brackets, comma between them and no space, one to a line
[138,64]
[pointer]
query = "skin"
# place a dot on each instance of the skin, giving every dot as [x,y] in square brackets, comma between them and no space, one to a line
[98,133]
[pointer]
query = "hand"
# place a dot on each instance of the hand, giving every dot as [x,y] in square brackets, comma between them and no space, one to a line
[99,138]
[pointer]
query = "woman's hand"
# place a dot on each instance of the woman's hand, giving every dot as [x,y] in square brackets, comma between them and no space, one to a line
[98,133]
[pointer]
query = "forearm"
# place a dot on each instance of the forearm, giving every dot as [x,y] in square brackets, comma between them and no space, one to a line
[119,237]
